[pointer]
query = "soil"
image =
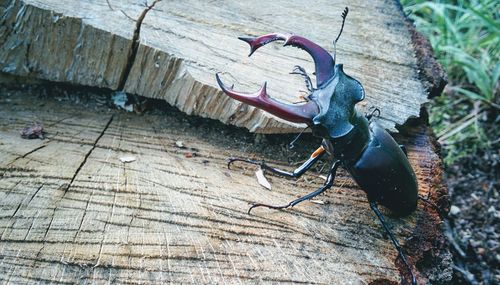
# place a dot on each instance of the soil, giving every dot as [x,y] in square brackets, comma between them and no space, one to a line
[472,225]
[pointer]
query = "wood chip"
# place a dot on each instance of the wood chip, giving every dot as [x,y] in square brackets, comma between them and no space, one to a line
[180,144]
[120,100]
[262,179]
[127,159]
[319,202]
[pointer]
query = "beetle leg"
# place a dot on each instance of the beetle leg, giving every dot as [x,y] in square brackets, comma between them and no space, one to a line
[395,242]
[302,72]
[374,113]
[328,184]
[315,156]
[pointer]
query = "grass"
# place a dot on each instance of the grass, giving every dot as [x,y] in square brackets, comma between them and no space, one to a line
[465,36]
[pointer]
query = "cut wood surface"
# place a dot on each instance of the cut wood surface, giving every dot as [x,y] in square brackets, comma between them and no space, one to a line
[173,51]
[72,212]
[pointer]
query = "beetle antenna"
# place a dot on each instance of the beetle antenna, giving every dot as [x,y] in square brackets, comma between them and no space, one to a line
[344,15]
[291,145]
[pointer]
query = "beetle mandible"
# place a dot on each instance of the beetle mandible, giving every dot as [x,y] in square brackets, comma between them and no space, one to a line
[376,162]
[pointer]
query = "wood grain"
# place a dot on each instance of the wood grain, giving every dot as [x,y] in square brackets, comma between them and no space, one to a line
[182,44]
[72,212]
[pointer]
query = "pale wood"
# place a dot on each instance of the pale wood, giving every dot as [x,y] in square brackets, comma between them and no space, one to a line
[184,43]
[72,212]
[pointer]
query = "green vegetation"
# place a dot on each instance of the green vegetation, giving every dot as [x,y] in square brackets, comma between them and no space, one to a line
[465,36]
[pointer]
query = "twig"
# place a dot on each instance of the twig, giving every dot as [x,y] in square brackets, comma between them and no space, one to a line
[449,235]
[467,275]
[495,141]
[493,105]
[454,125]
[443,139]
[477,107]
[458,129]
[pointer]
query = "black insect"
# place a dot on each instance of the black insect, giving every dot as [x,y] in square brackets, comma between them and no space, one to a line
[376,162]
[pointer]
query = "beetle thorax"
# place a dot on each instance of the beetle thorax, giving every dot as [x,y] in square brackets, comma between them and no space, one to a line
[336,100]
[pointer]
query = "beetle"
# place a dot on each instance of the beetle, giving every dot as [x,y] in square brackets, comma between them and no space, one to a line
[354,141]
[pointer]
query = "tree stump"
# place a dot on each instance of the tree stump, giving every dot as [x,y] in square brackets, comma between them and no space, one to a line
[72,212]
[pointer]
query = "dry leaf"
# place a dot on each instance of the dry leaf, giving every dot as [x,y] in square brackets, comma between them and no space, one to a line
[33,131]
[127,159]
[262,179]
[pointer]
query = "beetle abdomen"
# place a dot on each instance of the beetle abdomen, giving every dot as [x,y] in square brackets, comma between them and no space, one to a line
[384,173]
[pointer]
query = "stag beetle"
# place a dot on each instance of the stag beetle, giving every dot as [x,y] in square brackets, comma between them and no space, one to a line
[376,162]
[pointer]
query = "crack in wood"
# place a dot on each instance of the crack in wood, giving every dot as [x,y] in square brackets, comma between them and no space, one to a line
[135,46]
[89,152]
[23,156]
[67,186]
